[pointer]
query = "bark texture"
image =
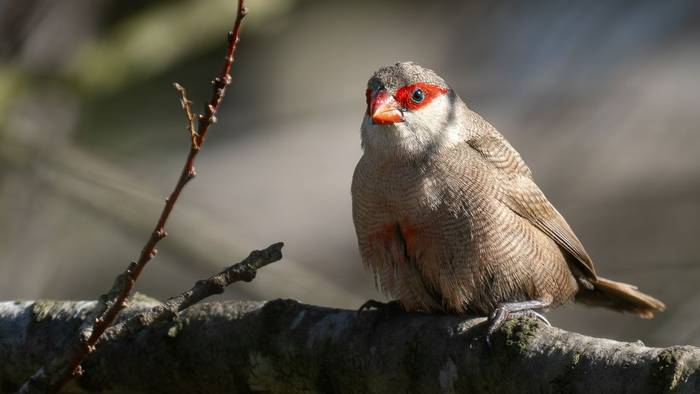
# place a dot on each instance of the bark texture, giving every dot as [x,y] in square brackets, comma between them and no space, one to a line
[285,346]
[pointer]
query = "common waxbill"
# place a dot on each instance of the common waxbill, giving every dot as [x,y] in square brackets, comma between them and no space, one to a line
[449,218]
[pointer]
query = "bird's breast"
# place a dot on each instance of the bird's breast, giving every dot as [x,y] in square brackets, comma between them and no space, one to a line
[400,233]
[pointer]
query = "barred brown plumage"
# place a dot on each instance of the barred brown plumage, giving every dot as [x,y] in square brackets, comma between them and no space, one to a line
[449,218]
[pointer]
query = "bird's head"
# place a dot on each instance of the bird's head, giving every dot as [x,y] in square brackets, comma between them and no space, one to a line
[410,112]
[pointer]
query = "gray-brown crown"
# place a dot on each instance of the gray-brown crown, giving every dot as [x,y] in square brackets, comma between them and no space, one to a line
[400,74]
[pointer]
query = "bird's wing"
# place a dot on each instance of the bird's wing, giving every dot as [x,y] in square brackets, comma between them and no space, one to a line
[497,151]
[519,192]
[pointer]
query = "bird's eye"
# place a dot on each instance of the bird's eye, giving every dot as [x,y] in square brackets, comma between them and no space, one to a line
[418,95]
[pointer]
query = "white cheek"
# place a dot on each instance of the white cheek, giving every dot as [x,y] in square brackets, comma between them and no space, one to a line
[420,130]
[445,130]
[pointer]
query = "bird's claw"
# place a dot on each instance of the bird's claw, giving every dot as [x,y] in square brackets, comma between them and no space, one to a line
[495,321]
[371,304]
[532,314]
[506,311]
[378,305]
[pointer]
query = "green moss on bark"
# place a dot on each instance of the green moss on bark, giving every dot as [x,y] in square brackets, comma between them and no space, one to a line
[519,333]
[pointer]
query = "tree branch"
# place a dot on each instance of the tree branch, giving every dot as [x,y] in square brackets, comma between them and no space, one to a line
[243,271]
[284,346]
[57,372]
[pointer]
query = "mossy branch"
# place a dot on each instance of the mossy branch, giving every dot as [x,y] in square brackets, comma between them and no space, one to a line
[285,346]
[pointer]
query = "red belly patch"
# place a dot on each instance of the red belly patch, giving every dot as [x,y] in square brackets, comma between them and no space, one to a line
[398,237]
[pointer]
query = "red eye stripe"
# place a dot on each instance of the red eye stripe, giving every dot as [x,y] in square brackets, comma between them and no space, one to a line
[405,95]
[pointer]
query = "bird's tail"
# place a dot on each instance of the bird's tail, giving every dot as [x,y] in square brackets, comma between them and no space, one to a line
[621,297]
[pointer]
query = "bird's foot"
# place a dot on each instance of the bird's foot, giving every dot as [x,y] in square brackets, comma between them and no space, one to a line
[391,306]
[514,309]
[531,314]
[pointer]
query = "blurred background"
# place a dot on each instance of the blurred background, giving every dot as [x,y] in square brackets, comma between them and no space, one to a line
[602,99]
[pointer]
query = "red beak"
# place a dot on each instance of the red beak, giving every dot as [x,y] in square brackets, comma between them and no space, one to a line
[385,109]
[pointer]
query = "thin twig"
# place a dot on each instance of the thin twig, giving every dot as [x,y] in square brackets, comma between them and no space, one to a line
[52,377]
[189,116]
[243,271]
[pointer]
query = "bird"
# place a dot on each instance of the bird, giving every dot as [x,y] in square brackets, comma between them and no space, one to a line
[448,216]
